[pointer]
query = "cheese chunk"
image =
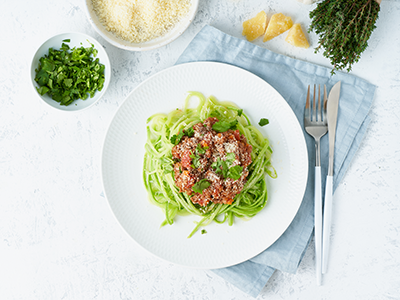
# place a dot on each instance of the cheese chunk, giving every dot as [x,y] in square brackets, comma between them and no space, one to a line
[255,27]
[296,37]
[278,24]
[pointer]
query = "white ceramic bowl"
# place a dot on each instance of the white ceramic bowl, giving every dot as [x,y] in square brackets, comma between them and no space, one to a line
[170,36]
[76,40]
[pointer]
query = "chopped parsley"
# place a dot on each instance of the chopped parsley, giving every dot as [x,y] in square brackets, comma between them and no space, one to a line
[235,172]
[220,167]
[176,139]
[195,160]
[224,168]
[70,74]
[203,231]
[200,149]
[200,186]
[222,126]
[263,122]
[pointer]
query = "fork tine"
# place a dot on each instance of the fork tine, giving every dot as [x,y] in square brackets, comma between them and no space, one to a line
[319,104]
[325,104]
[307,109]
[314,116]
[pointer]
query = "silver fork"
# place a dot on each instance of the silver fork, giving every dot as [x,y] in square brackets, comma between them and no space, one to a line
[316,125]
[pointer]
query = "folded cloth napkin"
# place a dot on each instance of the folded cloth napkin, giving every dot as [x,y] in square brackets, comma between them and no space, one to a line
[290,77]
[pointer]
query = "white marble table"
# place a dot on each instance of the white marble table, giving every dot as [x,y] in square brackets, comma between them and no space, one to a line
[58,238]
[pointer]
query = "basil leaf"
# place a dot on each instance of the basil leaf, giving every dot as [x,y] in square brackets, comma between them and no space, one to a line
[200,186]
[263,122]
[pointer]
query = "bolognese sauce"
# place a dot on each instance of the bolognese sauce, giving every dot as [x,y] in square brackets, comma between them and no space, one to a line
[211,166]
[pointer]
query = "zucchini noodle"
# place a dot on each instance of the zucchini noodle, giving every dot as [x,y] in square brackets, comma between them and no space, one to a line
[158,172]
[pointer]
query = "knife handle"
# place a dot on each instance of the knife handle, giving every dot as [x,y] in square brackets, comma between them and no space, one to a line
[327,223]
[318,224]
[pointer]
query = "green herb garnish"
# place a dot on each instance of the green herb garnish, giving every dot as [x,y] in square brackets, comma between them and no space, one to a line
[175,139]
[200,186]
[195,160]
[263,122]
[222,126]
[200,149]
[344,28]
[220,167]
[203,231]
[70,74]
[235,172]
[224,168]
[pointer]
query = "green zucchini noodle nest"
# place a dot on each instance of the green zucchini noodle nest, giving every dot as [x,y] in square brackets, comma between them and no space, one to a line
[158,173]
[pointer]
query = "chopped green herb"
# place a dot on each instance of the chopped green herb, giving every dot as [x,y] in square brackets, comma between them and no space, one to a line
[230,158]
[220,167]
[175,139]
[189,132]
[240,111]
[195,161]
[224,168]
[235,172]
[263,122]
[70,74]
[200,149]
[200,186]
[222,126]
[203,231]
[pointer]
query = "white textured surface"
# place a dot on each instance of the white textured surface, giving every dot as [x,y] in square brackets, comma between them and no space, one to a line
[58,239]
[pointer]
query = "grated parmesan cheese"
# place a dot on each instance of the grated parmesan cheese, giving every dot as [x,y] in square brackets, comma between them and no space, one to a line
[140,20]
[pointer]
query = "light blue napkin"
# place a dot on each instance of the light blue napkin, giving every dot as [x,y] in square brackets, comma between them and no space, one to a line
[290,77]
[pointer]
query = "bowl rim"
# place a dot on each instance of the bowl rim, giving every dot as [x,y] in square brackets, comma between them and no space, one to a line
[105,61]
[143,47]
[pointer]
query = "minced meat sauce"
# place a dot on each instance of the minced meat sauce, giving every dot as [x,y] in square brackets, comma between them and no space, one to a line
[198,158]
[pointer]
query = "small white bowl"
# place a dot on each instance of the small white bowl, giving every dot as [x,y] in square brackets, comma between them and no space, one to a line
[170,36]
[76,40]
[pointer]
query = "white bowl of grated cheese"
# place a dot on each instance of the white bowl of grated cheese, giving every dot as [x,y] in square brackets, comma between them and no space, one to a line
[141,25]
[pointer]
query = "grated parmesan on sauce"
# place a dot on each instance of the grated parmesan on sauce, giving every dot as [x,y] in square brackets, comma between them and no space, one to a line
[140,20]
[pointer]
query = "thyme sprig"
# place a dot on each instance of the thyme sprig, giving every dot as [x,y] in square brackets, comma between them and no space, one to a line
[344,28]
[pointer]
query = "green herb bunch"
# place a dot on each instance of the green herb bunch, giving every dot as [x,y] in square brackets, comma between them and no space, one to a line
[344,28]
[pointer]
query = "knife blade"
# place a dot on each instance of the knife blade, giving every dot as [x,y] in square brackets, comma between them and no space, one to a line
[332,113]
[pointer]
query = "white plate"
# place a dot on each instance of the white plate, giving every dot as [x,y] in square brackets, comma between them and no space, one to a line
[222,245]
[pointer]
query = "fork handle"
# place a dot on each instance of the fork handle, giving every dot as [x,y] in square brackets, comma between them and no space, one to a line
[327,223]
[318,224]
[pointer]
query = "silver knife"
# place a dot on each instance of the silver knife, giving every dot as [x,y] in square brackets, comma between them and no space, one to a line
[332,112]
